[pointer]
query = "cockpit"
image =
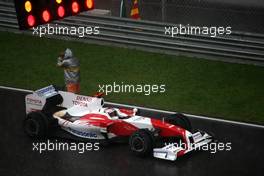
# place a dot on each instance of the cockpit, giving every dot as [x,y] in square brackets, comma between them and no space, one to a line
[115,113]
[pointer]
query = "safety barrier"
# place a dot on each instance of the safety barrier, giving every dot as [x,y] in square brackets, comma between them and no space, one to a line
[238,47]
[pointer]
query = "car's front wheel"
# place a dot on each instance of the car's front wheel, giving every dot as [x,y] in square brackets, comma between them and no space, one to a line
[141,142]
[180,120]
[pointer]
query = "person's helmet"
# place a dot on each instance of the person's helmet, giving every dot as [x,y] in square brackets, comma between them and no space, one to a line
[68,53]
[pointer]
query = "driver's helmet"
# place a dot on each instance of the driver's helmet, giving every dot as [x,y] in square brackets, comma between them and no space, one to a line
[111,112]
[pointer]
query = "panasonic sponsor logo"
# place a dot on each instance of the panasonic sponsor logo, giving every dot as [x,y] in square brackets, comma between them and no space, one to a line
[46,91]
[82,133]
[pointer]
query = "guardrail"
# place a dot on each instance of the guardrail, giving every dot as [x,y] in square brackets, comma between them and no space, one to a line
[238,47]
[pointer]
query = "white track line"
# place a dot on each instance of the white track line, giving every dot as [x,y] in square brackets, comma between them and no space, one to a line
[16,89]
[157,110]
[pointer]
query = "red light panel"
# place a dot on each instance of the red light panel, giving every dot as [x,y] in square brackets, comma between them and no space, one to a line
[31,13]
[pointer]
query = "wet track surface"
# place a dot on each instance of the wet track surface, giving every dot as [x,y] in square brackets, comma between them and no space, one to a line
[17,158]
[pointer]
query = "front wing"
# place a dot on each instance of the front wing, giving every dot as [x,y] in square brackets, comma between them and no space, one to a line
[173,150]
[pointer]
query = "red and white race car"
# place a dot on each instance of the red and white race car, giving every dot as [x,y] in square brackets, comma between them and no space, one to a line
[87,118]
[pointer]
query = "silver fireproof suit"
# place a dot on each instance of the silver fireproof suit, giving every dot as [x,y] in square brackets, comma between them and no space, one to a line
[71,67]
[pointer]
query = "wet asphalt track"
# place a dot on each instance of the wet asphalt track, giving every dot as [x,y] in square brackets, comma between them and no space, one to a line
[17,157]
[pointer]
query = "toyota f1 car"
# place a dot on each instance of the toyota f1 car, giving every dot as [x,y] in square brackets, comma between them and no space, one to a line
[88,118]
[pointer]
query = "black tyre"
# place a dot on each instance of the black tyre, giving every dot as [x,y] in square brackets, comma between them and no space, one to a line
[180,120]
[141,143]
[36,125]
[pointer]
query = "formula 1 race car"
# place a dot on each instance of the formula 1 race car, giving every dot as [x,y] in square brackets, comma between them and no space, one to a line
[87,117]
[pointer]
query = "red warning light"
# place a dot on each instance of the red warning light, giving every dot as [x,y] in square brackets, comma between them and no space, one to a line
[61,11]
[46,15]
[75,7]
[31,20]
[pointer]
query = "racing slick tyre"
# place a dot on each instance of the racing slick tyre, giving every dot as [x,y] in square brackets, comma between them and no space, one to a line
[36,125]
[180,120]
[141,142]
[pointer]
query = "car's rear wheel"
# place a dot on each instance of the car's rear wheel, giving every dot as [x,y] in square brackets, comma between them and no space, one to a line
[36,125]
[180,120]
[141,142]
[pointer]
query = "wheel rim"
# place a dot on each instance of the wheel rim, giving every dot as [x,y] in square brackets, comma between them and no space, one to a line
[138,144]
[31,127]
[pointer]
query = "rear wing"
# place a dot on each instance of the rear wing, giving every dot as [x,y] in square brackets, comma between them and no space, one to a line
[48,97]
